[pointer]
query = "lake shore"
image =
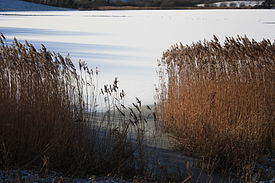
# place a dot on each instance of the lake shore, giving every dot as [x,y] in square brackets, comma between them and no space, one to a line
[58,114]
[161,8]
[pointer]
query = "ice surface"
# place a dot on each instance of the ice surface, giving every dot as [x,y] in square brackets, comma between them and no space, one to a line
[127,44]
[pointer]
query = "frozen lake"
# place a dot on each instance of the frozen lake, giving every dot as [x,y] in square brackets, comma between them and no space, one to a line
[127,44]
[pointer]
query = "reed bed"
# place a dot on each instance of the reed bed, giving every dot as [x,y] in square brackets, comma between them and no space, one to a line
[49,118]
[218,101]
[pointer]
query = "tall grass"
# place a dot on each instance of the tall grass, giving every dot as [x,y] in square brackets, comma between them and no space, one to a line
[49,118]
[218,100]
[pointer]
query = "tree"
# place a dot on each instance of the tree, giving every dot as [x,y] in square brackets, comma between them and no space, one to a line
[268,3]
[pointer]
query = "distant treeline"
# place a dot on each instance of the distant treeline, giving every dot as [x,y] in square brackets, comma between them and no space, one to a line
[90,4]
[93,4]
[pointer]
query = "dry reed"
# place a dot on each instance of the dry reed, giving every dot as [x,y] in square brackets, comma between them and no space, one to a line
[48,116]
[218,101]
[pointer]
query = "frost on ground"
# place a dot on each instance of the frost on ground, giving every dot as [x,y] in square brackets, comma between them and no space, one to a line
[266,168]
[27,176]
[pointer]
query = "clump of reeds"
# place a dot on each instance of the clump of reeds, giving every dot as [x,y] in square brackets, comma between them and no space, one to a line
[48,116]
[218,100]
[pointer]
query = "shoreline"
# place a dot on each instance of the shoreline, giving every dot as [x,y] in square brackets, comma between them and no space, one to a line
[161,8]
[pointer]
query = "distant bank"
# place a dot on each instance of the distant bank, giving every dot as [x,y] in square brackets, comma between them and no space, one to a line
[63,5]
[156,4]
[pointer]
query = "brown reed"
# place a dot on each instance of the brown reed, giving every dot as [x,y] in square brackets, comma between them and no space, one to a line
[218,100]
[49,119]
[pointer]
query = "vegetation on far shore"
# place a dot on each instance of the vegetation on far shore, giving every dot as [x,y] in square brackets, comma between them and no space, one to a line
[141,4]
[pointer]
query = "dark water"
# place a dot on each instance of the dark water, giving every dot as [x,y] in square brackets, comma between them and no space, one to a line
[17,5]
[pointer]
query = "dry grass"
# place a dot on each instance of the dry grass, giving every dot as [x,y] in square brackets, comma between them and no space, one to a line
[218,101]
[48,117]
